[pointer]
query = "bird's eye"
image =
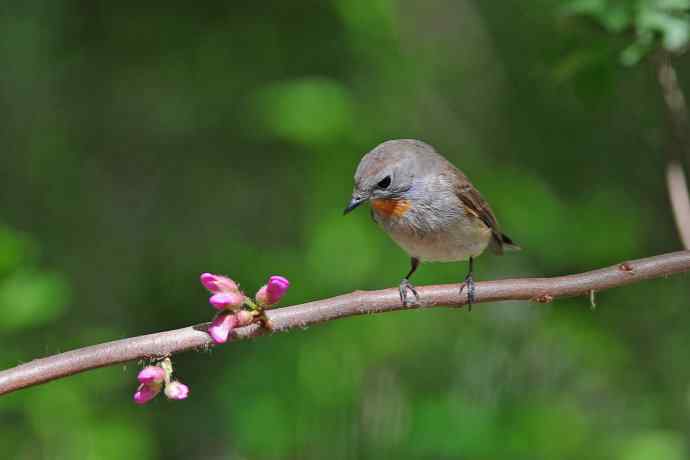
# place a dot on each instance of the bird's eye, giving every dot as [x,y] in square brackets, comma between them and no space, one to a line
[385,182]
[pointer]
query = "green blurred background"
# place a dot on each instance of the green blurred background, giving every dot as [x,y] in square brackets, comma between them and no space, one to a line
[143,143]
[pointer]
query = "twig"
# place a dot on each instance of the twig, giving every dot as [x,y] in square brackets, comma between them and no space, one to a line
[677,116]
[673,93]
[161,344]
[680,202]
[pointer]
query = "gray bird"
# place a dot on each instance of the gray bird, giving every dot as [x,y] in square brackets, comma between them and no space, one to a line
[428,206]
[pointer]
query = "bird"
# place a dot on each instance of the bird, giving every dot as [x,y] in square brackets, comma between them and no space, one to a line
[428,207]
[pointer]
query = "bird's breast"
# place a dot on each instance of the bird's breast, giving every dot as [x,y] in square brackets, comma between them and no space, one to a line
[432,235]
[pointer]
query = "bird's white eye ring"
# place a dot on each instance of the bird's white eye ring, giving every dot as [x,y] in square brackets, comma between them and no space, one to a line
[385,182]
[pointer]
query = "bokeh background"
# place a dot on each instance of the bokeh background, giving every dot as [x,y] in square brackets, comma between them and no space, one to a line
[143,143]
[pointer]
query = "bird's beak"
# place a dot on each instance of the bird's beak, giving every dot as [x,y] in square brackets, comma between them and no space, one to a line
[354,202]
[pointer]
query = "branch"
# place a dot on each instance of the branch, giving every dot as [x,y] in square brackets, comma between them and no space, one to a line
[677,116]
[680,201]
[542,290]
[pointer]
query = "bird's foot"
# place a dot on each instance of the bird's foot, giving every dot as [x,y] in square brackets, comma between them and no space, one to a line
[404,287]
[469,284]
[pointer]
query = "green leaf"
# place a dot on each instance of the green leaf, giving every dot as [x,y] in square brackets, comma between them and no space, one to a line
[613,17]
[665,19]
[634,53]
[673,27]
[676,33]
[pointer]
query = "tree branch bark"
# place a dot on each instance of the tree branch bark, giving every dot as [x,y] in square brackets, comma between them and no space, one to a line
[542,290]
[679,147]
[680,200]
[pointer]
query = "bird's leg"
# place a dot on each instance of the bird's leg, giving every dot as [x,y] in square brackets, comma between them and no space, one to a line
[469,284]
[405,284]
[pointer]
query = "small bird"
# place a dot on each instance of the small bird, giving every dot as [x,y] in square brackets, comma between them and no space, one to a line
[428,206]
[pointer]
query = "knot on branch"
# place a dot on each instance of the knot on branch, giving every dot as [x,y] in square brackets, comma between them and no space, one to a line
[626,267]
[543,298]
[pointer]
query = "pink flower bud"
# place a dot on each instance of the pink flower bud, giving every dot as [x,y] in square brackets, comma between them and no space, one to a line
[277,287]
[262,295]
[151,374]
[226,300]
[218,283]
[176,390]
[220,328]
[272,292]
[243,318]
[146,392]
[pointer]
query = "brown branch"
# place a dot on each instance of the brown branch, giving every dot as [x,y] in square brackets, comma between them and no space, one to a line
[674,99]
[677,118]
[680,200]
[161,344]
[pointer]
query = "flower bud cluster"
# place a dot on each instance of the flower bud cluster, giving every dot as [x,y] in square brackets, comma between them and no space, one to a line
[157,377]
[236,309]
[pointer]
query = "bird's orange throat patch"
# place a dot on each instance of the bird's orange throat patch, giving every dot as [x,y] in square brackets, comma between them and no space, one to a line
[391,208]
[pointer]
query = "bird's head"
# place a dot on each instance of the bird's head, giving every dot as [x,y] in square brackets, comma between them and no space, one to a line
[386,175]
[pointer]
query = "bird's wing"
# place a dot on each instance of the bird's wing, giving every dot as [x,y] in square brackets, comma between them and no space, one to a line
[477,206]
[474,203]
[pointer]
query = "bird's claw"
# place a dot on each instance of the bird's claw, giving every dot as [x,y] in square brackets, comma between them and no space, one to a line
[469,284]
[405,286]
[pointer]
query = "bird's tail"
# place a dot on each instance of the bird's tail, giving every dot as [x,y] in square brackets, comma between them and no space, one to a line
[501,242]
